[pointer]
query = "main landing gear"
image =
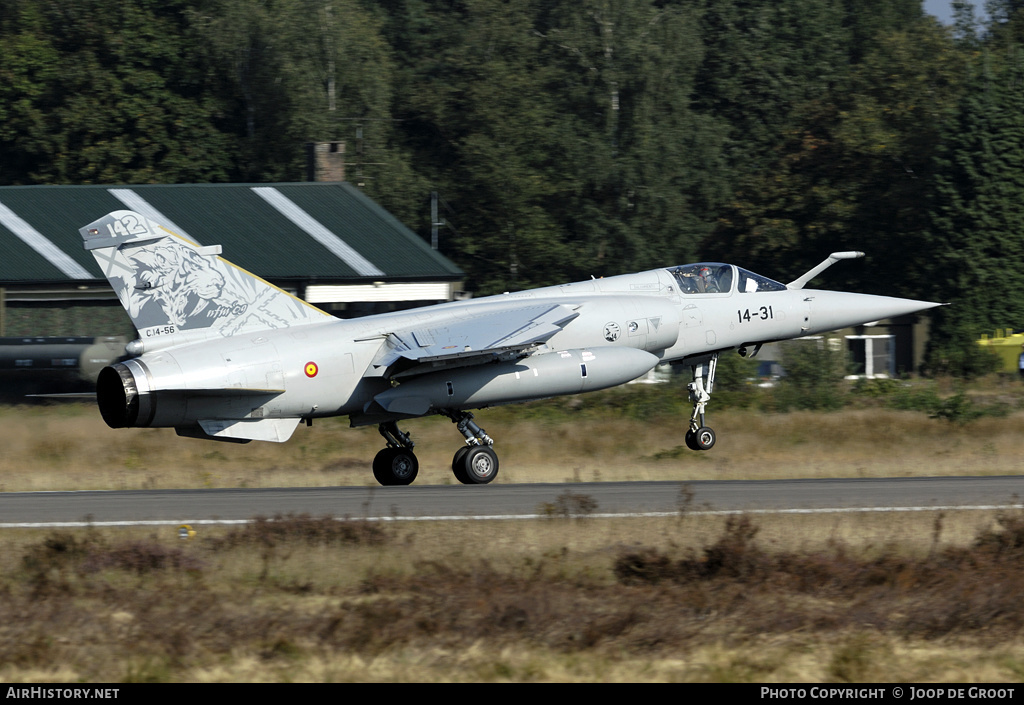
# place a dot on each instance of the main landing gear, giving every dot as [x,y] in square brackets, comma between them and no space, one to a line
[699,436]
[396,464]
[475,463]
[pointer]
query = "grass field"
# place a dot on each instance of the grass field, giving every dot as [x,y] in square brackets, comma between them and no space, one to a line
[920,597]
[814,599]
[70,448]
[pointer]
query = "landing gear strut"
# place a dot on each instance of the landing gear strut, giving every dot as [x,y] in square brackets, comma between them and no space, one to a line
[396,464]
[475,463]
[699,436]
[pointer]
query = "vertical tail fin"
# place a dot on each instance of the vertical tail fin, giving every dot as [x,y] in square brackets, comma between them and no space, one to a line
[170,285]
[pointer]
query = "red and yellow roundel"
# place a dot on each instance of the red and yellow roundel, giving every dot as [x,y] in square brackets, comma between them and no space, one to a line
[311,369]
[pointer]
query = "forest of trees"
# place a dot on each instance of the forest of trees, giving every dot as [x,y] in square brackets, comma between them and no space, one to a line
[570,139]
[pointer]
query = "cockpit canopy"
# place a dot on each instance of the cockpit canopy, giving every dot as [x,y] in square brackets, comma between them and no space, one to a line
[717,278]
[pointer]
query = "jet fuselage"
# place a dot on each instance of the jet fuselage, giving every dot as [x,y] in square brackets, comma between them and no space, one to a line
[625,325]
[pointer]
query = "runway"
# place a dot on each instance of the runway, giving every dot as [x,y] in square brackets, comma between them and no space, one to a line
[498,501]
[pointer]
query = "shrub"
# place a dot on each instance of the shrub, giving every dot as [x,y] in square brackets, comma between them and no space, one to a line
[814,376]
[960,357]
[139,557]
[302,527]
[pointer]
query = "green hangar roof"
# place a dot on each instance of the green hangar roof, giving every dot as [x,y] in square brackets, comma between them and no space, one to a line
[311,232]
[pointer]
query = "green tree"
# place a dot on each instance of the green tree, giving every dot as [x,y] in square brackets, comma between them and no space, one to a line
[29,63]
[101,91]
[814,375]
[298,71]
[560,135]
[978,215]
[854,170]
[647,168]
[763,63]
[477,120]
[97,91]
[901,97]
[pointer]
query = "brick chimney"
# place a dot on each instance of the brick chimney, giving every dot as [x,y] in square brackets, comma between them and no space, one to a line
[325,161]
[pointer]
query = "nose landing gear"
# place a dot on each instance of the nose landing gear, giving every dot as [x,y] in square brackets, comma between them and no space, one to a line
[699,436]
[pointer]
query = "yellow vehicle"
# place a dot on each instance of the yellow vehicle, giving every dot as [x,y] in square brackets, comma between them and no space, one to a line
[1008,344]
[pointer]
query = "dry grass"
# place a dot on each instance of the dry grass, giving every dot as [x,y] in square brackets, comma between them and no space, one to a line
[684,599]
[846,598]
[69,447]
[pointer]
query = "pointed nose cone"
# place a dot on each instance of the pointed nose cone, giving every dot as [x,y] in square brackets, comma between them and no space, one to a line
[832,310]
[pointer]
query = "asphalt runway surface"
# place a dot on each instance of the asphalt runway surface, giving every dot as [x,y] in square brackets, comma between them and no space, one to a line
[500,501]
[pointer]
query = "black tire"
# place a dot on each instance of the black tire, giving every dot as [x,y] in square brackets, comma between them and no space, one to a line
[480,465]
[458,466]
[691,440]
[704,438]
[395,466]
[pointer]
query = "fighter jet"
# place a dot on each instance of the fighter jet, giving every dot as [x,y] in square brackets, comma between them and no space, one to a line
[224,355]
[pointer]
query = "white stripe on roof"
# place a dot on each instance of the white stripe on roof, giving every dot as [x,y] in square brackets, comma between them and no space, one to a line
[317,231]
[141,206]
[38,242]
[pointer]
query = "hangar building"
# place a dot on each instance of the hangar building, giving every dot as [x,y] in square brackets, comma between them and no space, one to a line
[327,243]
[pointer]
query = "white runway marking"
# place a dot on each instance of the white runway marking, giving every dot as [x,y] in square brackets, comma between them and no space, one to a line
[518,517]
